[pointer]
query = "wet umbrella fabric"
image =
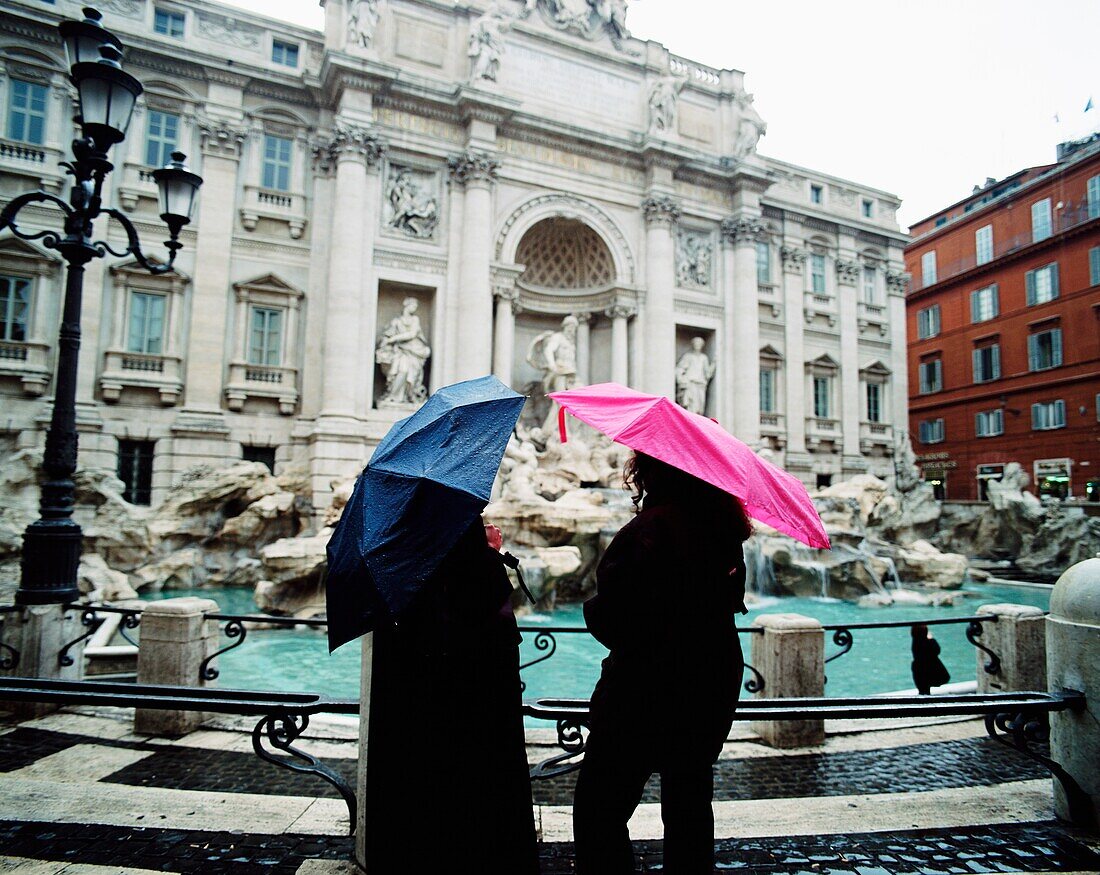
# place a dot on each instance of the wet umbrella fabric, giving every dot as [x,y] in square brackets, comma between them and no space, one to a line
[428,479]
[658,427]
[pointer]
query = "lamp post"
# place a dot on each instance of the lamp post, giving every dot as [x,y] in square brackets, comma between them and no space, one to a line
[107,94]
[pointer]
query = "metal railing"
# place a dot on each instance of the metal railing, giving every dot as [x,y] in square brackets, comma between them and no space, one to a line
[545,641]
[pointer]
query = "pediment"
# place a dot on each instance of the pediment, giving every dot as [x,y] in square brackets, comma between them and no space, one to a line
[770,352]
[28,255]
[133,269]
[876,368]
[271,284]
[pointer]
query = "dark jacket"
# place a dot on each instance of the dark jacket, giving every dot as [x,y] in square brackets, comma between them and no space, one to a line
[664,606]
[448,674]
[928,670]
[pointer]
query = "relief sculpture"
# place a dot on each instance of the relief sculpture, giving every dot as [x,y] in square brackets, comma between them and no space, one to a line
[413,210]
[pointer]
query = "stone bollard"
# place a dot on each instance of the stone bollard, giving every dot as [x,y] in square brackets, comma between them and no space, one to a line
[39,633]
[1073,662]
[175,639]
[1018,638]
[790,655]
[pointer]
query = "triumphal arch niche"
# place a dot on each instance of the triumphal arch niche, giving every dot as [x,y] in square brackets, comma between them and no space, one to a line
[563,266]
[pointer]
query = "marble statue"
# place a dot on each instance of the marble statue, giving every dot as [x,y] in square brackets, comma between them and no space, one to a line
[414,211]
[694,372]
[750,127]
[402,352]
[611,14]
[555,354]
[362,21]
[518,469]
[486,44]
[693,259]
[662,102]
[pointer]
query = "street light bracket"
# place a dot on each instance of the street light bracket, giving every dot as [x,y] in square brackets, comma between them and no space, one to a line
[134,245]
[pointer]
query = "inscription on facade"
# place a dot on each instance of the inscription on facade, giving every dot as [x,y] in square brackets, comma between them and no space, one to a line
[420,41]
[572,84]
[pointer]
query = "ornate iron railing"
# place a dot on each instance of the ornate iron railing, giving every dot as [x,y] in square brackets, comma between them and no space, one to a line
[845,640]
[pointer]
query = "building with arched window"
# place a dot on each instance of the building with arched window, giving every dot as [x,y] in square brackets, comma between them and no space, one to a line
[414,197]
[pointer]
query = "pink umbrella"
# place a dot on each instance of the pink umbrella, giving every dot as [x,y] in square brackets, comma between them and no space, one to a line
[658,427]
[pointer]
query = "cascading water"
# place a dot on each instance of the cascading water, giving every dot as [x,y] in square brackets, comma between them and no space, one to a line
[759,569]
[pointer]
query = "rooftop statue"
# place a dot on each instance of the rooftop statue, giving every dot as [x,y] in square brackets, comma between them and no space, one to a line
[362,22]
[486,44]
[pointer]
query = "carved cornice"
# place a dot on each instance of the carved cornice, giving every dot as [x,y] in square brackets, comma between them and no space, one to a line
[660,210]
[348,143]
[475,167]
[847,272]
[743,230]
[793,259]
[221,139]
[409,261]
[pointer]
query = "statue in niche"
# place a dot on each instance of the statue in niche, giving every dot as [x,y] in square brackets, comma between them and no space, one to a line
[413,210]
[750,127]
[693,261]
[486,44]
[694,372]
[555,354]
[662,102]
[402,352]
[362,21]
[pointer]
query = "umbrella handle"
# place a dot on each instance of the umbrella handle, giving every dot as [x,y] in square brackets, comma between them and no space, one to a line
[513,563]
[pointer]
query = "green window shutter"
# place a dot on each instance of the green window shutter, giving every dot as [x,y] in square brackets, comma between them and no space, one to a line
[977,357]
[1029,281]
[975,308]
[1032,352]
[1056,347]
[996,361]
[1094,266]
[1053,280]
[995,295]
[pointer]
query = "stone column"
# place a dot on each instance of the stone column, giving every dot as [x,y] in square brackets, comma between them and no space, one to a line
[1073,662]
[476,171]
[620,345]
[584,348]
[1018,637]
[659,366]
[742,320]
[504,334]
[352,149]
[851,402]
[205,361]
[897,283]
[38,633]
[790,654]
[794,260]
[175,639]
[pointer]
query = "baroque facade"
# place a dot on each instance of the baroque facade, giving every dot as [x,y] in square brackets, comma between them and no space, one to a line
[415,196]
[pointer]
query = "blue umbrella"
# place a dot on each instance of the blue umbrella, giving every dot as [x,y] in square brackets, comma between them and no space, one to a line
[427,481]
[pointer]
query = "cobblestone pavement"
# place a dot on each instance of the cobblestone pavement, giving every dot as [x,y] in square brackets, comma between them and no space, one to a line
[911,768]
[1034,847]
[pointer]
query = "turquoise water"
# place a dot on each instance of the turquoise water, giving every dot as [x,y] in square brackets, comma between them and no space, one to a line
[298,658]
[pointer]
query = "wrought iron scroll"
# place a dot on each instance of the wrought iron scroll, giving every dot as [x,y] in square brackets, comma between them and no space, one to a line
[1022,732]
[129,621]
[755,684]
[571,740]
[842,638]
[281,730]
[973,632]
[91,621]
[543,641]
[233,629]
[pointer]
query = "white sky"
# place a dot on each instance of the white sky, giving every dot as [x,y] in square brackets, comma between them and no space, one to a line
[922,98]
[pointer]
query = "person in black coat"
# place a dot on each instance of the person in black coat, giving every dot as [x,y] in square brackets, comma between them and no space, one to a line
[447,777]
[928,670]
[668,589]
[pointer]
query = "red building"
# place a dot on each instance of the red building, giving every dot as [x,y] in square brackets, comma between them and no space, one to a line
[1004,332]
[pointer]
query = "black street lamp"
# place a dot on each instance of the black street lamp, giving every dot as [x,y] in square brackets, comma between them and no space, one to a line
[107,94]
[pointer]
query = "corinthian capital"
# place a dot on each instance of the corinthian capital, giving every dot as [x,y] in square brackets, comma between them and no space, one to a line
[897,282]
[660,210]
[473,167]
[621,310]
[348,141]
[793,259]
[847,272]
[743,230]
[220,138]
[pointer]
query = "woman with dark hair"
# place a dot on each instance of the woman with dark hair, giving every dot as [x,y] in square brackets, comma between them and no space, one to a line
[667,591]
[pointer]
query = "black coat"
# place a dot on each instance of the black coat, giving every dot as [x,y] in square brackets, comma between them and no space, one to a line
[448,775]
[928,670]
[664,606]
